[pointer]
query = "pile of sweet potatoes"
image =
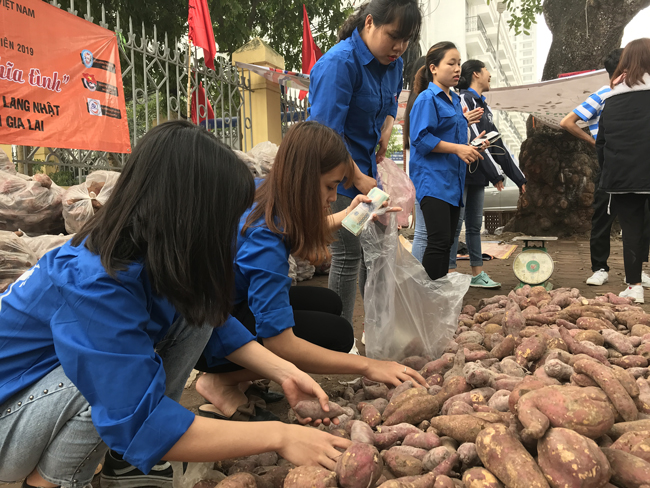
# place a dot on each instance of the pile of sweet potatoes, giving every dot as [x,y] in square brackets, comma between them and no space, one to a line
[538,389]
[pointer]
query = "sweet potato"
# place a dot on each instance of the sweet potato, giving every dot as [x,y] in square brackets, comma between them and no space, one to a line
[505,348]
[529,383]
[639,330]
[568,459]
[452,387]
[513,321]
[506,382]
[632,361]
[468,455]
[631,439]
[415,362]
[478,376]
[385,440]
[591,336]
[370,415]
[435,380]
[247,480]
[434,457]
[423,440]
[402,429]
[416,452]
[591,323]
[463,428]
[376,390]
[272,476]
[621,428]
[611,386]
[360,466]
[309,477]
[402,464]
[379,403]
[444,482]
[446,467]
[643,400]
[459,363]
[558,370]
[362,432]
[312,409]
[627,470]
[414,410]
[503,455]
[499,401]
[439,366]
[618,341]
[512,368]
[576,347]
[480,478]
[584,410]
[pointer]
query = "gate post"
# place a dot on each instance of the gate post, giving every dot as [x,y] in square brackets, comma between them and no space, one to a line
[265,95]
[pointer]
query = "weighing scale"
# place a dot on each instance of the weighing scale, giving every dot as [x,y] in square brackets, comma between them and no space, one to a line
[533,265]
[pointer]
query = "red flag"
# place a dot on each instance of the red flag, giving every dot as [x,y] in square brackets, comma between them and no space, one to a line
[203,102]
[201,33]
[310,51]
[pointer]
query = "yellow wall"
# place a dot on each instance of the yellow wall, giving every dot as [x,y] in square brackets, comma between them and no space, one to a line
[265,96]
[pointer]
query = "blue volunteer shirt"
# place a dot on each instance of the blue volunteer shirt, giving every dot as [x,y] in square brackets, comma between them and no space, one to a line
[353,93]
[434,118]
[262,280]
[589,111]
[68,311]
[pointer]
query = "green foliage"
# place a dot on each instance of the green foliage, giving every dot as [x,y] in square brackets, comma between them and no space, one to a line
[395,143]
[236,22]
[522,16]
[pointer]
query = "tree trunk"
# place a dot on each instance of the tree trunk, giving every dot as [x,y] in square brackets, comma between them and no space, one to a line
[562,170]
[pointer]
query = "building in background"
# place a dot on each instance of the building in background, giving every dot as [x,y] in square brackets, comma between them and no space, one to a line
[481,32]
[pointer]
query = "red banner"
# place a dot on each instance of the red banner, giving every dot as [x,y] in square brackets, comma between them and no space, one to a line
[60,80]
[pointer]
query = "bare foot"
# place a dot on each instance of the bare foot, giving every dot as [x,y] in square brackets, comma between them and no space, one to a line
[224,396]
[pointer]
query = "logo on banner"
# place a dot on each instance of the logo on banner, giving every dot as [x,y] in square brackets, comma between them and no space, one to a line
[87,58]
[89,81]
[94,107]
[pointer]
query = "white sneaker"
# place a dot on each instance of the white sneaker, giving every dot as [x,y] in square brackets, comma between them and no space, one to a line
[363,338]
[354,349]
[645,280]
[635,292]
[600,277]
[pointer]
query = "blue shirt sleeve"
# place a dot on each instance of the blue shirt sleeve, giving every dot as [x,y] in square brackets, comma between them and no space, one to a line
[590,108]
[225,340]
[263,260]
[331,86]
[102,340]
[423,122]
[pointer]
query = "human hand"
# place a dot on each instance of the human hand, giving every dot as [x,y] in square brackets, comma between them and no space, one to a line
[499,185]
[392,373]
[468,154]
[364,183]
[300,386]
[473,116]
[312,447]
[523,188]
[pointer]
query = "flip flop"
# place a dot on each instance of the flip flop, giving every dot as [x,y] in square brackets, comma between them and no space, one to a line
[253,411]
[267,395]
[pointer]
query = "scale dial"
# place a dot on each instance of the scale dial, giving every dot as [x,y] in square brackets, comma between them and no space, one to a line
[533,267]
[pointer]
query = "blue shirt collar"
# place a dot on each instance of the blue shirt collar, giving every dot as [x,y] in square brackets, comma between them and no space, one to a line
[476,93]
[437,91]
[360,46]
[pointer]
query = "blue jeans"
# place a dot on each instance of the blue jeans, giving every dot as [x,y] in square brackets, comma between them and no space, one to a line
[472,213]
[347,264]
[48,425]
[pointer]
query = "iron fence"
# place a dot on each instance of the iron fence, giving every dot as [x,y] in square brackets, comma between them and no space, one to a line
[154,75]
[292,109]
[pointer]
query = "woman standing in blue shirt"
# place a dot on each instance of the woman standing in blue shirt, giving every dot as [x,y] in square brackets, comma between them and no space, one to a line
[301,324]
[354,89]
[97,338]
[439,152]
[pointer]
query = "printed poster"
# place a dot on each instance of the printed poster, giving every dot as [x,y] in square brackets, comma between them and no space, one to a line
[60,80]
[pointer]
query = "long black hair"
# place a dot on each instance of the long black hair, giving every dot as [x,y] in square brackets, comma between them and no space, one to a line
[468,69]
[406,132]
[406,12]
[176,206]
[423,76]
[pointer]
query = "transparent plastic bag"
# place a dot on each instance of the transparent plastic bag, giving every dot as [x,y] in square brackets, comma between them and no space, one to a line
[399,186]
[15,258]
[41,245]
[406,313]
[31,204]
[81,201]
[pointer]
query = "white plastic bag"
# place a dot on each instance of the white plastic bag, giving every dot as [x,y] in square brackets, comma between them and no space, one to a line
[399,186]
[41,245]
[81,201]
[15,258]
[406,313]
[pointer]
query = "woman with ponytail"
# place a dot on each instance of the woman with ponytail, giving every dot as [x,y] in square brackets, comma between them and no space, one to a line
[354,90]
[474,81]
[439,152]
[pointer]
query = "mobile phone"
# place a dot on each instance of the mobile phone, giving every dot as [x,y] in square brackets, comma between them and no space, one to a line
[490,136]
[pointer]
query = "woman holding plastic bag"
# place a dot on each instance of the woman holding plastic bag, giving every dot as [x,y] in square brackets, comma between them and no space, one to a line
[98,339]
[439,152]
[303,325]
[354,89]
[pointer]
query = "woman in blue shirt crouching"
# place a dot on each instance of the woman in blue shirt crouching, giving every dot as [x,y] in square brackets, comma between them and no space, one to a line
[303,325]
[354,89]
[98,338]
[439,152]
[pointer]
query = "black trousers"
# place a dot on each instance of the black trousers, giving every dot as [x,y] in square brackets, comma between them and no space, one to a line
[441,219]
[317,316]
[631,211]
[601,228]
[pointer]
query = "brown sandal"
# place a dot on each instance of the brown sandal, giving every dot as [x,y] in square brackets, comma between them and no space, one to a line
[253,411]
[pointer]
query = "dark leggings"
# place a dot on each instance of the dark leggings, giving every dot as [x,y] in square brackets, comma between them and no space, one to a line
[317,316]
[630,208]
[441,219]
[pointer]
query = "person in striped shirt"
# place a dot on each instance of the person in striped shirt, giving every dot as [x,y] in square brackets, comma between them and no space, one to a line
[601,222]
